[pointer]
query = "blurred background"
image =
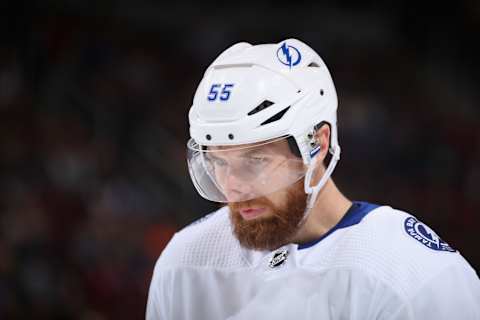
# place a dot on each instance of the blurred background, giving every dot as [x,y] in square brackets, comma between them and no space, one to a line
[94,98]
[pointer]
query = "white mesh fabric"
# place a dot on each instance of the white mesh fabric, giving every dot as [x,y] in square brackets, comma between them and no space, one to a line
[371,270]
[379,246]
[207,243]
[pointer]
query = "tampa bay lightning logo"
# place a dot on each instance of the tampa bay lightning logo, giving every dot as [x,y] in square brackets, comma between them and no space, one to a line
[288,55]
[426,236]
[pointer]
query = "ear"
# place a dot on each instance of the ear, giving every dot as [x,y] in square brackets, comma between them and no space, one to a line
[322,137]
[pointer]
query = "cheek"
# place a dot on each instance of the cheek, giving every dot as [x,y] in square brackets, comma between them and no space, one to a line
[278,199]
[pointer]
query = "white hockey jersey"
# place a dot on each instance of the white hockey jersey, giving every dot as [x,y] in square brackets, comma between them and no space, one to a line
[376,263]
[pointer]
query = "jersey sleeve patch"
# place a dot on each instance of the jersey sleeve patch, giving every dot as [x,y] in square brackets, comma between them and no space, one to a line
[426,236]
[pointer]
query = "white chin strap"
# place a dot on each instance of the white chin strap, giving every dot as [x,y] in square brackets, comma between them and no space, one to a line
[313,191]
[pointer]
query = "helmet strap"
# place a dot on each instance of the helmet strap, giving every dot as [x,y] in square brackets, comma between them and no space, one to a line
[313,191]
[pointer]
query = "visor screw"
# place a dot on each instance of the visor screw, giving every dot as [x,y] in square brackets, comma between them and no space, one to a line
[313,144]
[209,137]
[230,136]
[321,92]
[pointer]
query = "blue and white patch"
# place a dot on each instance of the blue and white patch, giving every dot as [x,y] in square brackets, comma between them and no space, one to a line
[314,151]
[426,236]
[288,55]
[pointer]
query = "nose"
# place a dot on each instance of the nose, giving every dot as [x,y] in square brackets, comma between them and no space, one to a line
[235,188]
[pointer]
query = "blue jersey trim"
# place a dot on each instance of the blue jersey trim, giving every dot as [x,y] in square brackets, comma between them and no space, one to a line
[353,216]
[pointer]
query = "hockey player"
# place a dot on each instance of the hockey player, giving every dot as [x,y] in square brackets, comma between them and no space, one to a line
[288,244]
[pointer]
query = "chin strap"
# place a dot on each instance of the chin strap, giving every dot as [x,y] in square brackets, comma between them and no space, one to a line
[313,191]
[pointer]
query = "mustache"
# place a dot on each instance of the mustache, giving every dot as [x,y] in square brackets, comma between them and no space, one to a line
[262,201]
[235,207]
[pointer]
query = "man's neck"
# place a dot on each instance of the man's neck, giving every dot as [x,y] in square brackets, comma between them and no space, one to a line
[330,206]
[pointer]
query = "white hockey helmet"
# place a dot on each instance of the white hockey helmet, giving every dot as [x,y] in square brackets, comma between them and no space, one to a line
[252,96]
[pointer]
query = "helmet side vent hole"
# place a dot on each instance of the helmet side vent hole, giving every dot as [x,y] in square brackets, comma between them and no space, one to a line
[275,117]
[321,92]
[262,106]
[313,65]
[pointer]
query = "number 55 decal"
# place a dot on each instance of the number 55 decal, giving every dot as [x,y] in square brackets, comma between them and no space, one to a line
[215,92]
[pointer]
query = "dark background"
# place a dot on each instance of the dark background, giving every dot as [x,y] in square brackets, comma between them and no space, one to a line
[94,98]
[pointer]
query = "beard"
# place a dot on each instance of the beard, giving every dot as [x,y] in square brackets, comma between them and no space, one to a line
[272,232]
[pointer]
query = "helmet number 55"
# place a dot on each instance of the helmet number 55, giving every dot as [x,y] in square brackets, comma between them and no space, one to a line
[223,94]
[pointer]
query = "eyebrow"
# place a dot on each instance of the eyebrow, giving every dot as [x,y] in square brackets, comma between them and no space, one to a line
[243,155]
[253,152]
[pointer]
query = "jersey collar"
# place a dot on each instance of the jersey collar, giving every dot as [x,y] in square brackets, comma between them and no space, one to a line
[357,211]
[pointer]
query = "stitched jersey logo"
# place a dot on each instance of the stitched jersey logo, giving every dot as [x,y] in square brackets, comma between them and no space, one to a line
[426,236]
[288,55]
[278,258]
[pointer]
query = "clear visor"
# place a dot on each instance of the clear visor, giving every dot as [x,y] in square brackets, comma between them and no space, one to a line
[243,172]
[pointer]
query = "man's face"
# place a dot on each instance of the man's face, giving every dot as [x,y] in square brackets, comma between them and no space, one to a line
[264,188]
[268,222]
[252,171]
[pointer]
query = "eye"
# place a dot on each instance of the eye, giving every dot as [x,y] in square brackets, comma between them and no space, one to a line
[257,161]
[218,162]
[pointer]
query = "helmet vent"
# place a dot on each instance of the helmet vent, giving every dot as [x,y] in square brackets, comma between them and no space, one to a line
[275,117]
[314,65]
[264,105]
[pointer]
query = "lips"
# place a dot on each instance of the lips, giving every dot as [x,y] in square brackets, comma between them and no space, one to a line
[251,213]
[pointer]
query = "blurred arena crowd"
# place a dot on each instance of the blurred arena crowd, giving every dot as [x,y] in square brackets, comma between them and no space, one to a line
[93,129]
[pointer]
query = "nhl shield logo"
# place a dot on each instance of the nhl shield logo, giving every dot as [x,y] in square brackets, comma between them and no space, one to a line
[278,258]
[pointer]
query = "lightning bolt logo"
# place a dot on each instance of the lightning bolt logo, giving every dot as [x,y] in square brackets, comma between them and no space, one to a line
[288,55]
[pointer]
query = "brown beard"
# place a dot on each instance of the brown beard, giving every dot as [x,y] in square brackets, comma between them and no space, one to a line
[270,233]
